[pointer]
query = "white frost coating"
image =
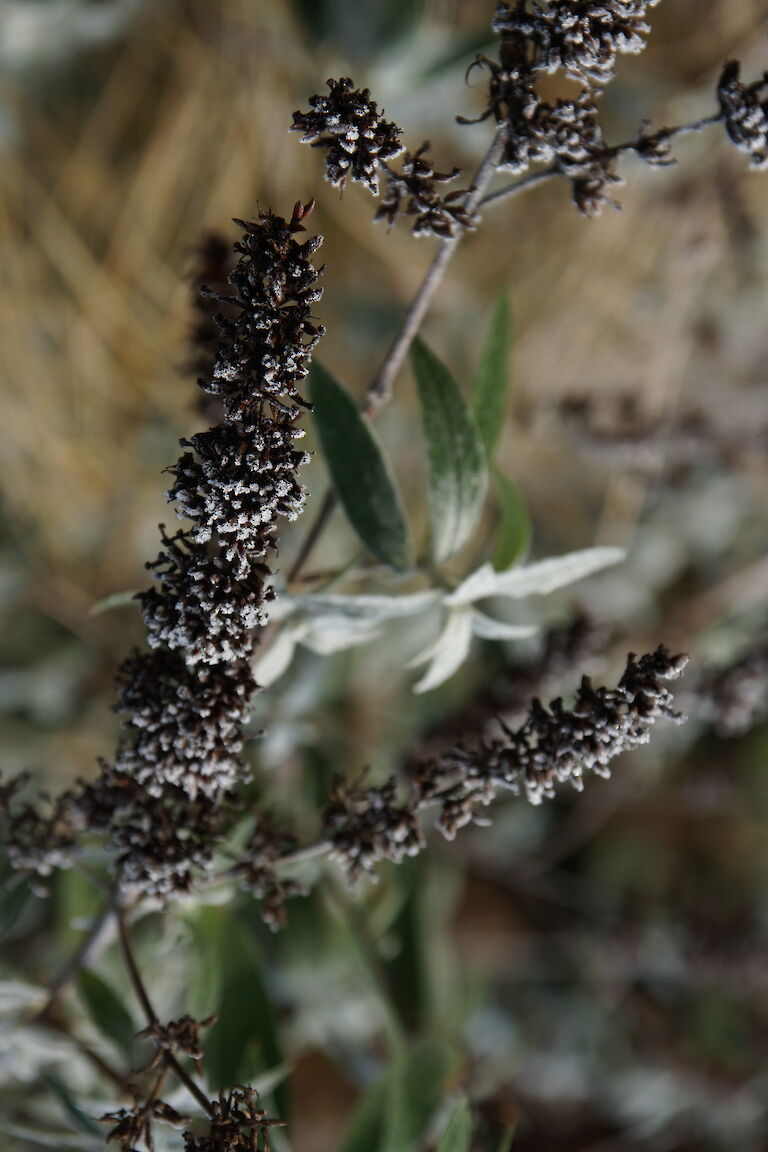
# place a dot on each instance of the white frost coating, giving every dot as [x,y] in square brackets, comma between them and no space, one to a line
[538,579]
[448,652]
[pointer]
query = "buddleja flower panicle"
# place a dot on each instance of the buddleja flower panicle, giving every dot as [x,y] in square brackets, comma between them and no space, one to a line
[553,746]
[165,799]
[235,491]
[201,605]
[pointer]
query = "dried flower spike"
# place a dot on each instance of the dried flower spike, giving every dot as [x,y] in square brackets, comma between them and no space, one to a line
[553,746]
[165,799]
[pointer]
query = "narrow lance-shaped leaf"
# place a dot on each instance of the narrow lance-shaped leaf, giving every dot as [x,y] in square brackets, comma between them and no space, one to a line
[416,1085]
[365,1128]
[448,652]
[458,475]
[456,1136]
[277,658]
[395,1111]
[513,535]
[106,1009]
[80,1120]
[489,400]
[12,901]
[243,1042]
[364,607]
[361,474]
[537,579]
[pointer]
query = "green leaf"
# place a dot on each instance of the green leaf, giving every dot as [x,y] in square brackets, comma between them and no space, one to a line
[458,475]
[489,400]
[79,1120]
[408,969]
[455,1138]
[365,1128]
[395,1111]
[416,1086]
[459,51]
[507,1138]
[513,538]
[13,898]
[243,1042]
[116,600]
[361,474]
[357,28]
[77,902]
[106,1009]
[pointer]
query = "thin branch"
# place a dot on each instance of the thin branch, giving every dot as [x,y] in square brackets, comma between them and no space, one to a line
[504,194]
[380,389]
[368,947]
[326,508]
[98,935]
[152,1017]
[60,1024]
[310,852]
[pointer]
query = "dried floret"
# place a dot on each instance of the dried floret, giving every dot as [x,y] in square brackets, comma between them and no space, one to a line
[354,134]
[744,113]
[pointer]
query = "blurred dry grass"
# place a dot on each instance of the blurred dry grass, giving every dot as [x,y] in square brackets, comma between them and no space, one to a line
[117,173]
[126,154]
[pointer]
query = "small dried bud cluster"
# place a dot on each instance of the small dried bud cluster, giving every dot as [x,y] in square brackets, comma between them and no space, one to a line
[359,142]
[733,698]
[411,191]
[132,1126]
[583,40]
[745,114]
[235,1120]
[165,798]
[255,868]
[366,825]
[182,1035]
[355,135]
[237,1123]
[580,37]
[553,746]
[39,838]
[556,745]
